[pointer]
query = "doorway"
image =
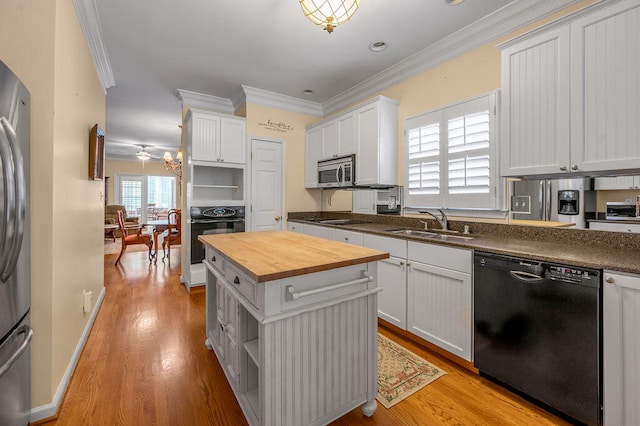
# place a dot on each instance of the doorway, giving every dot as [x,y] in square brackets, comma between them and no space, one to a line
[144,196]
[267,184]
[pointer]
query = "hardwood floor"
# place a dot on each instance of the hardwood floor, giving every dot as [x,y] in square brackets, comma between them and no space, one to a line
[145,363]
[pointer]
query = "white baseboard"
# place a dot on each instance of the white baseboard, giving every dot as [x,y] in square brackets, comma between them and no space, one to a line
[50,409]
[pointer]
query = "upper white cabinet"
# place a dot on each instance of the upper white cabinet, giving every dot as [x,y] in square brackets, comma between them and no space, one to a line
[216,138]
[370,130]
[621,349]
[535,105]
[620,182]
[571,95]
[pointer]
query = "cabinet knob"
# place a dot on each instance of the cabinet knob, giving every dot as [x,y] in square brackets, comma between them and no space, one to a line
[609,280]
[401,263]
[563,168]
[408,263]
[213,259]
[236,280]
[346,239]
[574,167]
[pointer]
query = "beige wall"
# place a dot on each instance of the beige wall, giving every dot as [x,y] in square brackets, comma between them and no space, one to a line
[41,41]
[137,167]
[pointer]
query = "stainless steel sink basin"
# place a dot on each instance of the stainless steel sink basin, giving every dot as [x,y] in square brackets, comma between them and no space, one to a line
[414,233]
[430,235]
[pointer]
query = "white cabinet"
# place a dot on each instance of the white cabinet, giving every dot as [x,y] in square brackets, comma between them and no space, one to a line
[392,278]
[312,153]
[615,226]
[215,186]
[215,138]
[295,227]
[364,202]
[621,349]
[535,105]
[319,231]
[620,182]
[377,142]
[349,237]
[439,296]
[605,65]
[370,130]
[571,95]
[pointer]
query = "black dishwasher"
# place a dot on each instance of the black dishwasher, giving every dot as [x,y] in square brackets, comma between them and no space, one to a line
[538,330]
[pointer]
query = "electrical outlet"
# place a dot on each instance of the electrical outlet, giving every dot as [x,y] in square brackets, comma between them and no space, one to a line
[87,301]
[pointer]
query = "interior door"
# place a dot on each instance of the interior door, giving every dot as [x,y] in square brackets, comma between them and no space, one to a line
[267,178]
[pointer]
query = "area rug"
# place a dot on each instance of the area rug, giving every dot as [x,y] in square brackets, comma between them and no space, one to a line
[111,247]
[401,372]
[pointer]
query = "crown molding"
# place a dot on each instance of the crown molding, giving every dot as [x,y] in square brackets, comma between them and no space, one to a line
[200,100]
[87,13]
[275,100]
[493,26]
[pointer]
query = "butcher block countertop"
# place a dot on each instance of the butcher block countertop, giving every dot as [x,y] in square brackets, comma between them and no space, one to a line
[273,255]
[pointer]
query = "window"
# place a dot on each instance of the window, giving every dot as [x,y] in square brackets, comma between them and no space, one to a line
[451,156]
[146,197]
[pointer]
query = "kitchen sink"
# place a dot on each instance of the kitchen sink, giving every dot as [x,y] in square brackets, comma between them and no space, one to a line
[430,235]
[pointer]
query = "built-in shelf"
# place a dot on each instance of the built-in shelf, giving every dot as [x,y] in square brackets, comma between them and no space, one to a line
[216,186]
[253,398]
[252,349]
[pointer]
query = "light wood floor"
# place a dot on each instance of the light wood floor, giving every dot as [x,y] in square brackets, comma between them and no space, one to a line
[145,363]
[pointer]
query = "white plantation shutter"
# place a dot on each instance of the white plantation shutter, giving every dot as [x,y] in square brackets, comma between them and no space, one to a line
[451,154]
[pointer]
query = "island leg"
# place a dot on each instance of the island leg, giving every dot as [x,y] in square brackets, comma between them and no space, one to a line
[369,407]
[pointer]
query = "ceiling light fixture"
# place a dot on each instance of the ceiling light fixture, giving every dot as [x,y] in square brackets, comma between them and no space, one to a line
[174,165]
[378,46]
[143,155]
[453,2]
[329,13]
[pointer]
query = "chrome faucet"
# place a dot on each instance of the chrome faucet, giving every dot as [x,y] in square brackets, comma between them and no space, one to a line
[442,220]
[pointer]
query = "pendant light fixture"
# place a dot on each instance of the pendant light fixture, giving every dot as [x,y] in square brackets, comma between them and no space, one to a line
[329,13]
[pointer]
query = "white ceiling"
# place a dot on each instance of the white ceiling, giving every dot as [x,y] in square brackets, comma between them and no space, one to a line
[155,47]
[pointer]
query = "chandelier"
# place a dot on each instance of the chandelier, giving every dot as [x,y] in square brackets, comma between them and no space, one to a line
[329,13]
[174,165]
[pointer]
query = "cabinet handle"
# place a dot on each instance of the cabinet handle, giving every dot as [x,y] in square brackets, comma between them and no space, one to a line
[563,168]
[221,327]
[574,167]
[213,259]
[346,239]
[609,280]
[236,280]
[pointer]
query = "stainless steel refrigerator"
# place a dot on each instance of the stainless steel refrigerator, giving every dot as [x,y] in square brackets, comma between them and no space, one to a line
[559,200]
[15,247]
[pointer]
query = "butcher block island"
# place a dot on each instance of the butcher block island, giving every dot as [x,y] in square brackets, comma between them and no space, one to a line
[293,321]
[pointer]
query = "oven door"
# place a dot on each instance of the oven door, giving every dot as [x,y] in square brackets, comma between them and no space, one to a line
[222,227]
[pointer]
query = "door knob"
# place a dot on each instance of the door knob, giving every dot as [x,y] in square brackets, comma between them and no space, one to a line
[278,218]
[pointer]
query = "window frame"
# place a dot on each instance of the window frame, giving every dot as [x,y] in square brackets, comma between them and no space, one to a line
[478,201]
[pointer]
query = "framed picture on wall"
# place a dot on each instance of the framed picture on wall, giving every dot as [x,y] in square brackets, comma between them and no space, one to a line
[96,153]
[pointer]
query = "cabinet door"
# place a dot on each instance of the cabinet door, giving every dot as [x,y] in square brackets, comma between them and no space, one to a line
[367,137]
[535,105]
[330,140]
[364,202]
[233,140]
[621,349]
[232,355]
[392,300]
[605,85]
[205,137]
[319,231]
[346,134]
[312,153]
[221,321]
[294,227]
[439,307]
[615,227]
[621,182]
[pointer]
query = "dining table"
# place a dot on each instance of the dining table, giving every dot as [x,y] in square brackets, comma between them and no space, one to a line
[157,227]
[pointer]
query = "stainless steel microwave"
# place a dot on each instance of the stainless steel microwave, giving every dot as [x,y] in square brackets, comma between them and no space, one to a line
[337,172]
[621,211]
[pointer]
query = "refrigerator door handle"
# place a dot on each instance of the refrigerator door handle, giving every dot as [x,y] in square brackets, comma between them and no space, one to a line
[28,334]
[16,193]
[7,187]
[548,201]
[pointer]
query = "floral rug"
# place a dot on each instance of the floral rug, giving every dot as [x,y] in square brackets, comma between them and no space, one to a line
[401,372]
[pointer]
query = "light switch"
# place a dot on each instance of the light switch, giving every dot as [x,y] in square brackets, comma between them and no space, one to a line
[521,203]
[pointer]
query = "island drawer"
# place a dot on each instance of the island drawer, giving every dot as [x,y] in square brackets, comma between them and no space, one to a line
[214,258]
[241,282]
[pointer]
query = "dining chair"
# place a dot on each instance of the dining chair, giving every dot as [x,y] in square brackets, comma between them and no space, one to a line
[137,238]
[173,234]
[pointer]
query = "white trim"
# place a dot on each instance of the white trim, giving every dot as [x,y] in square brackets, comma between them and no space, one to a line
[200,100]
[288,103]
[87,14]
[51,409]
[500,23]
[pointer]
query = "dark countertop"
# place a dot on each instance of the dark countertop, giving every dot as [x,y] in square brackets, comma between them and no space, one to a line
[592,249]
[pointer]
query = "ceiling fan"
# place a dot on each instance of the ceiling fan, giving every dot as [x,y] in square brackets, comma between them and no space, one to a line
[143,154]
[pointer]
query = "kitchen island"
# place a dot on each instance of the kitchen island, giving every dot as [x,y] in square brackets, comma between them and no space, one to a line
[293,321]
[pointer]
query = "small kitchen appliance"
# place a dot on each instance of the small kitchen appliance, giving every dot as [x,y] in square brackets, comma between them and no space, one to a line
[617,210]
[337,172]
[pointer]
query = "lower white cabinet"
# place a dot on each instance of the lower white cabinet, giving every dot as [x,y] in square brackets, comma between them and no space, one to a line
[392,278]
[349,237]
[440,295]
[294,227]
[615,227]
[621,349]
[319,231]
